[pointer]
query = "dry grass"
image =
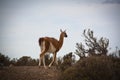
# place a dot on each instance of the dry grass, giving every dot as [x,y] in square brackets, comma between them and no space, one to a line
[28,73]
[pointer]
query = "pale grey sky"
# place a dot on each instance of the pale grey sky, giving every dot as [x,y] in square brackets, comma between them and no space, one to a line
[22,22]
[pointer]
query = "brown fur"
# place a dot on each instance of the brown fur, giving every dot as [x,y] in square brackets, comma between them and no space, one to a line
[47,42]
[56,43]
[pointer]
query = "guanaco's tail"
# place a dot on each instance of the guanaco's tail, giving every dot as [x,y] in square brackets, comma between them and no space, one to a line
[40,41]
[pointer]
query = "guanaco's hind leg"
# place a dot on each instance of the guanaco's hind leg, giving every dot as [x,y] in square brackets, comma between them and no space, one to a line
[53,60]
[42,58]
[44,48]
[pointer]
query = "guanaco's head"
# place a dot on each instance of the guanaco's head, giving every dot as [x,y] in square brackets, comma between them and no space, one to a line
[63,33]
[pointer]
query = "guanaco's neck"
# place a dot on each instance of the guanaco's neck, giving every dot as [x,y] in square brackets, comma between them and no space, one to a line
[61,39]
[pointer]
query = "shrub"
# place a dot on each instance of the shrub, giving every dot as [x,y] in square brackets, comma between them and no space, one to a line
[93,68]
[68,60]
[4,60]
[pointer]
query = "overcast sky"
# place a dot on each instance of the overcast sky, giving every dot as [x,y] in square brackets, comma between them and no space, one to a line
[22,22]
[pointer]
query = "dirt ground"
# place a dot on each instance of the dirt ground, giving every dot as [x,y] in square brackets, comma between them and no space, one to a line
[28,73]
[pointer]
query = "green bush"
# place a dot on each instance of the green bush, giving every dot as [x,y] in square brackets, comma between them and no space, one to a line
[4,60]
[93,68]
[67,61]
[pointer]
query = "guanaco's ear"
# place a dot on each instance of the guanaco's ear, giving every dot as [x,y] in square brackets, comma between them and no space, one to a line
[65,30]
[61,30]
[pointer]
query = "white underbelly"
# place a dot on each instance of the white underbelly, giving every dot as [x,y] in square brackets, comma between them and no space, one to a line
[51,48]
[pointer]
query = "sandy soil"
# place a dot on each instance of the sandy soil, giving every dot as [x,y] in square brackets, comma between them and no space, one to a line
[28,73]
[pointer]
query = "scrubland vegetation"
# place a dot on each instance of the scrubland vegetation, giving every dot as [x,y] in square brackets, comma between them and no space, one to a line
[95,63]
